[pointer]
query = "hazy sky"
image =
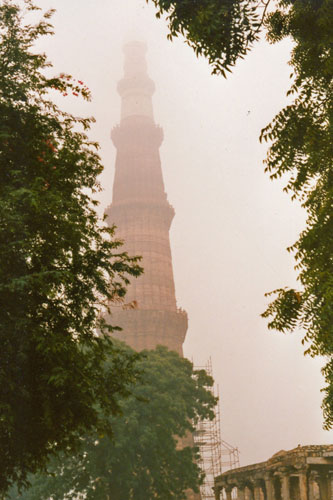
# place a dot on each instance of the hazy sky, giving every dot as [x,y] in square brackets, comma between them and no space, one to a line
[232,223]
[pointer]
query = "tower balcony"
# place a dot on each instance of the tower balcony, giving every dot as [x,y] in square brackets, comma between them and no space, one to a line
[159,213]
[147,328]
[136,133]
[138,85]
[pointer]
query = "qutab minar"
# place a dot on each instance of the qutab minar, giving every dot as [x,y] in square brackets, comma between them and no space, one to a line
[143,215]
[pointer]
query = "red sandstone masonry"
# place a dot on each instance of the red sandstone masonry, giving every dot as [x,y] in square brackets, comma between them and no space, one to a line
[143,216]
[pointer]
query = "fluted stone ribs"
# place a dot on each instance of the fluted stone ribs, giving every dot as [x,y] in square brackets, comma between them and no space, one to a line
[143,215]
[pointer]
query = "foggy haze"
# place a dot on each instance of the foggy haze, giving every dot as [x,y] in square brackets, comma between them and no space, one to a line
[232,224]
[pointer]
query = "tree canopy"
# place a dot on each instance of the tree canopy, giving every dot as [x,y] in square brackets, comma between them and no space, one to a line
[59,264]
[300,139]
[143,460]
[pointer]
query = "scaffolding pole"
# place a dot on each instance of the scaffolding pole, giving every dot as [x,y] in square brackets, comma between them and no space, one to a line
[215,454]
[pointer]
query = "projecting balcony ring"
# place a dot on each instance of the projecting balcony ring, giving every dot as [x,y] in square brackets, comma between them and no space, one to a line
[138,85]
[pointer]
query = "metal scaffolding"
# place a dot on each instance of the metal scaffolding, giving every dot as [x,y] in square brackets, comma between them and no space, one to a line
[216,455]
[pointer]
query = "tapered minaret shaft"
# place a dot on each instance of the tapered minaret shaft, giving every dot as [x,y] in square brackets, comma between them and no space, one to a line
[143,215]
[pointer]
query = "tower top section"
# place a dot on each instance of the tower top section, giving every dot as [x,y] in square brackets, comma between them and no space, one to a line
[136,88]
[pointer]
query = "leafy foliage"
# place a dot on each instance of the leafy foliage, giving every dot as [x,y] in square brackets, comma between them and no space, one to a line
[220,30]
[144,461]
[301,136]
[302,147]
[58,264]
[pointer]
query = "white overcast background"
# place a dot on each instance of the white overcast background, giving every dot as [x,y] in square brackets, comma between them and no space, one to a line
[232,224]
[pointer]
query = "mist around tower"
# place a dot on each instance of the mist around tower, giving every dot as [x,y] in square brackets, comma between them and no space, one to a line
[70,392]
[227,235]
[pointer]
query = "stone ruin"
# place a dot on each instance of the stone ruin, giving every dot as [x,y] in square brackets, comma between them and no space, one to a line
[304,473]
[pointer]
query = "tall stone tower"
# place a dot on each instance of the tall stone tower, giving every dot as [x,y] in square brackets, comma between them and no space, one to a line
[143,215]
